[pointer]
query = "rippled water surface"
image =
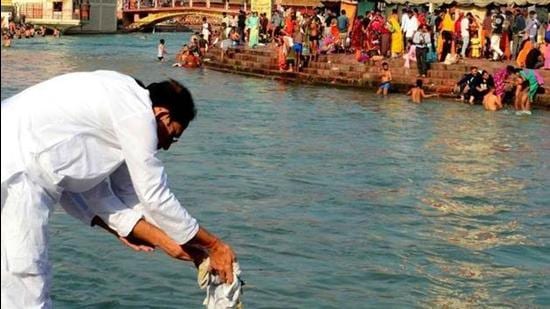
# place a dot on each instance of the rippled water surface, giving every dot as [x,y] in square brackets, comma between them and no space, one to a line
[332,198]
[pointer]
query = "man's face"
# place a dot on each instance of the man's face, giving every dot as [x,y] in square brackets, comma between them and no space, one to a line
[168,131]
[474,71]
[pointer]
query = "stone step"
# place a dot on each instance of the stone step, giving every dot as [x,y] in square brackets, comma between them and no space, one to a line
[251,64]
[344,70]
[255,58]
[334,73]
[357,67]
[543,100]
[262,51]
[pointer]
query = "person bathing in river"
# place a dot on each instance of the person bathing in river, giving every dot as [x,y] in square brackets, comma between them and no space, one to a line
[161,50]
[187,59]
[417,93]
[385,83]
[491,101]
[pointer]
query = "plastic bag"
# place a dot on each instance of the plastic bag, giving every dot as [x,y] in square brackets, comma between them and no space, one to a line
[431,57]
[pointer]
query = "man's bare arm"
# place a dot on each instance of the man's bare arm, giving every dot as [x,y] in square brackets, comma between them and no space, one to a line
[145,237]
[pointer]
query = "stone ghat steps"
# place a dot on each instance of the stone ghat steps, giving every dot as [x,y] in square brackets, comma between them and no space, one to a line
[348,73]
[253,51]
[347,63]
[248,64]
[254,58]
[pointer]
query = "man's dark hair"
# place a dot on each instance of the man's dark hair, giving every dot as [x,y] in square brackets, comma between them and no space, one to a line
[343,12]
[419,83]
[173,96]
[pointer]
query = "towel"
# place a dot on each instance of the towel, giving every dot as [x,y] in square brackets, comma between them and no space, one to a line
[218,295]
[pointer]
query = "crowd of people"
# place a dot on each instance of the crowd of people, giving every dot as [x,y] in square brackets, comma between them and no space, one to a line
[445,35]
[509,84]
[12,30]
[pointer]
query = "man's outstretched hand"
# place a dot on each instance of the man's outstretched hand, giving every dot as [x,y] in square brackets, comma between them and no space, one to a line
[221,261]
[221,255]
[136,244]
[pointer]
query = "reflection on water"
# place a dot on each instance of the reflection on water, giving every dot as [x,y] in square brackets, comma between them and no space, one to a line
[332,198]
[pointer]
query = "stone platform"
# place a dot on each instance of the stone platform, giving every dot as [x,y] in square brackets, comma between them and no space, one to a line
[344,71]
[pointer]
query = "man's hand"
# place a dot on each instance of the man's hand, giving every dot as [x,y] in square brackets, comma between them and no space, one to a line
[136,244]
[221,255]
[221,261]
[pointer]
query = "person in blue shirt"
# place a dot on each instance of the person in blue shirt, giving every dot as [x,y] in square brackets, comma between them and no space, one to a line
[343,22]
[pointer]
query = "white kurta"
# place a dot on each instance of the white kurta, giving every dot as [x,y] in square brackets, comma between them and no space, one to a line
[82,136]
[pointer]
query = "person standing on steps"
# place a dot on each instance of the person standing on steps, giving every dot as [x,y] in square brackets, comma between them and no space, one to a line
[422,43]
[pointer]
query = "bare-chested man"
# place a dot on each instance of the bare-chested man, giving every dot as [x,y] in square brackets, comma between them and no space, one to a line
[385,76]
[417,93]
[491,101]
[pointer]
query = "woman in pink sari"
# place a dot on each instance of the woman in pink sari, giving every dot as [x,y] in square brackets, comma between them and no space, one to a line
[500,78]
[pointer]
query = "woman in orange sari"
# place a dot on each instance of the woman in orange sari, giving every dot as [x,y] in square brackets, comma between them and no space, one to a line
[357,33]
[506,35]
[335,32]
[523,53]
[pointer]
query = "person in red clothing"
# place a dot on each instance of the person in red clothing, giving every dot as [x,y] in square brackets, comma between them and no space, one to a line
[421,17]
[290,24]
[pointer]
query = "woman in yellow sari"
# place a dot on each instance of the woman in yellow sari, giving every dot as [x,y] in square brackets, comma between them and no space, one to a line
[396,35]
[447,40]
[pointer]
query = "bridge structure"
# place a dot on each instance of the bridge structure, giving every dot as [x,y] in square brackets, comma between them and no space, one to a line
[138,17]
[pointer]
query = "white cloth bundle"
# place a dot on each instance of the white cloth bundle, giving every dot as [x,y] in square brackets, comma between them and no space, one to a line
[220,295]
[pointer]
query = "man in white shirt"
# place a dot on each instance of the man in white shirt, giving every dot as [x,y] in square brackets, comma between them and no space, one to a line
[226,19]
[411,26]
[234,21]
[465,33]
[58,145]
[404,19]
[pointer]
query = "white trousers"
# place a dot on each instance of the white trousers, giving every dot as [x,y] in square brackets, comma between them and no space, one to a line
[495,46]
[26,271]
[465,42]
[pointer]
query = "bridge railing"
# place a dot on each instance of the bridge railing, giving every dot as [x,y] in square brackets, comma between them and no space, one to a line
[133,5]
[150,4]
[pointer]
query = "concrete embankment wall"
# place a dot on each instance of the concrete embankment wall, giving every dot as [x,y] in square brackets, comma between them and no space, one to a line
[344,71]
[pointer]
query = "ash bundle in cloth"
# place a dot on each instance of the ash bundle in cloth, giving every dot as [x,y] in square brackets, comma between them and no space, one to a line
[220,295]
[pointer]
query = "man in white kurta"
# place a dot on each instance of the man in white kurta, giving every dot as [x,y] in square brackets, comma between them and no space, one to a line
[81,136]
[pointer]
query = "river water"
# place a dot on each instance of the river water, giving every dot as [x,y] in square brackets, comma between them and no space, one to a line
[332,198]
